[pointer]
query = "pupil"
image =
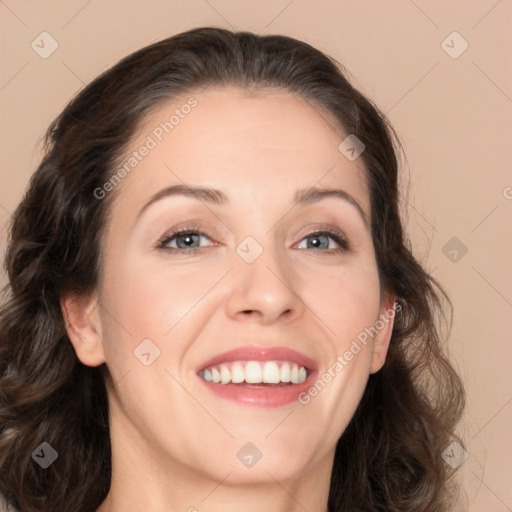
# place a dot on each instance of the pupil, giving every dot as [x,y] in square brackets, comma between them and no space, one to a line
[188,239]
[314,242]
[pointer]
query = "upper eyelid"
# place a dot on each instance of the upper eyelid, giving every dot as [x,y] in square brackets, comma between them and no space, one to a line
[183,230]
[171,235]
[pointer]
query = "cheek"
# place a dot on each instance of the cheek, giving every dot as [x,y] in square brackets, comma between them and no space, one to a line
[347,302]
[346,299]
[150,298]
[155,302]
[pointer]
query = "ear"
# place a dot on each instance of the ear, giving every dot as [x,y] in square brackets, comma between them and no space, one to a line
[83,325]
[384,325]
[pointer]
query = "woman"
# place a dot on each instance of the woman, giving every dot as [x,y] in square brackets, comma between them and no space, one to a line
[212,304]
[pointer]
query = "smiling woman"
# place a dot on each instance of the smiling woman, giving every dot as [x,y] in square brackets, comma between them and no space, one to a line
[237,321]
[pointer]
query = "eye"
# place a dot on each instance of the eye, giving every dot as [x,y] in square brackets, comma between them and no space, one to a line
[322,239]
[185,240]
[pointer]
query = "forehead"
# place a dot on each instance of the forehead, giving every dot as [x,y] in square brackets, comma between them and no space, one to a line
[268,140]
[234,119]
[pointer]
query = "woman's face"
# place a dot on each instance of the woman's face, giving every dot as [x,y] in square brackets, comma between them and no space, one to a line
[248,290]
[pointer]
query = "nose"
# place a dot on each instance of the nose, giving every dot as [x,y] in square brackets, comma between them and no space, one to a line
[264,291]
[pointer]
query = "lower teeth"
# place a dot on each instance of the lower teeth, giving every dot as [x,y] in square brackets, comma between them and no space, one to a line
[263,384]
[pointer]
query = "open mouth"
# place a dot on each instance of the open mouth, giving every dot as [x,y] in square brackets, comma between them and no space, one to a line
[256,373]
[259,376]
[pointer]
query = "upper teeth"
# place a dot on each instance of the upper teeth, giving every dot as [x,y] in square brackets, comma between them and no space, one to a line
[255,372]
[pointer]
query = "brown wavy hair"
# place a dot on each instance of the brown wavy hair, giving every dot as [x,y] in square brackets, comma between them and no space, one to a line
[390,456]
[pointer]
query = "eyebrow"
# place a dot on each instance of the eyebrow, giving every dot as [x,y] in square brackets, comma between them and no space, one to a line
[213,196]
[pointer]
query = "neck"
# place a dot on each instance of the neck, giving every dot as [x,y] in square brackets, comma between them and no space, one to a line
[215,497]
[142,480]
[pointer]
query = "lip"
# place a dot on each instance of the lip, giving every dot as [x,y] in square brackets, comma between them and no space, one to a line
[265,396]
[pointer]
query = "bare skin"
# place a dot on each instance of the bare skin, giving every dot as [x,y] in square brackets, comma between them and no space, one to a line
[174,442]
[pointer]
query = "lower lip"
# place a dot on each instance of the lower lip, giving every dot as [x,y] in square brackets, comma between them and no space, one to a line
[268,396]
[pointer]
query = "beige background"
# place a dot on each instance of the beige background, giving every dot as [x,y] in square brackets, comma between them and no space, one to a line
[452,114]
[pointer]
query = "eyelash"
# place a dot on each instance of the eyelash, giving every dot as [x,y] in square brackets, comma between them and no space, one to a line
[338,237]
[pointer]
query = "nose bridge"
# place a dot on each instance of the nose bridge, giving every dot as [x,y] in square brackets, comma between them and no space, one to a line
[263,282]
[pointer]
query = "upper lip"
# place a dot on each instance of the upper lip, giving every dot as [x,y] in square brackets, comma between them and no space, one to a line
[260,353]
